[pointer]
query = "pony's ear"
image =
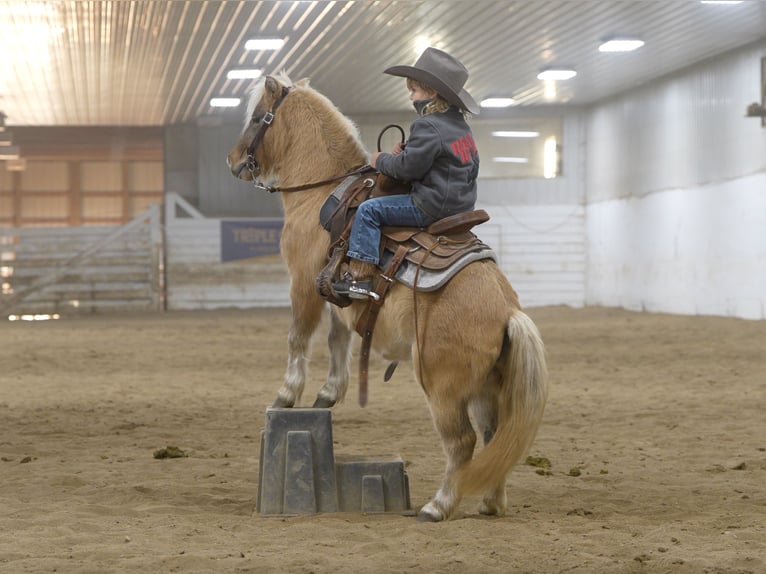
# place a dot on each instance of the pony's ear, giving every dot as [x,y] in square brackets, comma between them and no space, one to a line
[303,83]
[272,86]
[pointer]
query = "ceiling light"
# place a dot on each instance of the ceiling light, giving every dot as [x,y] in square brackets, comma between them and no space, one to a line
[556,74]
[244,74]
[224,102]
[421,43]
[497,102]
[505,159]
[264,44]
[620,45]
[515,134]
[721,1]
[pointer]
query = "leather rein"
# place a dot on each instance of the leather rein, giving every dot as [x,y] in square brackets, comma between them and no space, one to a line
[252,164]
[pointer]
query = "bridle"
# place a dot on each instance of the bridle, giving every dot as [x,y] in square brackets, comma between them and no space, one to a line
[268,118]
[252,164]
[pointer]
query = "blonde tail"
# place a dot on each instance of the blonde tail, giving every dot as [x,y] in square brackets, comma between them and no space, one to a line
[521,404]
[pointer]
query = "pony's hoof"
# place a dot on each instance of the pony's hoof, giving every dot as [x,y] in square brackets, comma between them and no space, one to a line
[429,513]
[323,403]
[491,509]
[281,403]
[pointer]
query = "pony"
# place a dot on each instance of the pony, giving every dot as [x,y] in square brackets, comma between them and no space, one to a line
[478,357]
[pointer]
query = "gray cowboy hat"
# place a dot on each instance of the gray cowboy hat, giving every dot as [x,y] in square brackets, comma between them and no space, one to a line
[443,73]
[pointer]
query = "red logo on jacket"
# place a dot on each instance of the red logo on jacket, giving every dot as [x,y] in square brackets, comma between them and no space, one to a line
[464,148]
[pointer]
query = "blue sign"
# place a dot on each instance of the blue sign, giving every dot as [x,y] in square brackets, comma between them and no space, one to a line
[249,239]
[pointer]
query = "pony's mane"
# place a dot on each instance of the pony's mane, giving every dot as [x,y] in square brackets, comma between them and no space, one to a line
[257,93]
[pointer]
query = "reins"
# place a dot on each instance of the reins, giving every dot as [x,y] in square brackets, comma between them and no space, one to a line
[275,188]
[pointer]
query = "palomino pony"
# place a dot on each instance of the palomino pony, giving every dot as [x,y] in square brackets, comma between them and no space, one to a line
[477,356]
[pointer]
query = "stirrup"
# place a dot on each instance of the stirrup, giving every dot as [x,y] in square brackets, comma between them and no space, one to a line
[355,289]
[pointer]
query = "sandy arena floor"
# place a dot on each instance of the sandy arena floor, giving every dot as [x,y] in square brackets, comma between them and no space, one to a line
[664,416]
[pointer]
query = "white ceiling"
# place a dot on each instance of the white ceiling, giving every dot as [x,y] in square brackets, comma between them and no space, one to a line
[158,62]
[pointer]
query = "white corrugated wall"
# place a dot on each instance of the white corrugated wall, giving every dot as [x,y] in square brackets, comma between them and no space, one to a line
[676,194]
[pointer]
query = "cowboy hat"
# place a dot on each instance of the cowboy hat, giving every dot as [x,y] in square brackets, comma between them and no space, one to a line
[443,73]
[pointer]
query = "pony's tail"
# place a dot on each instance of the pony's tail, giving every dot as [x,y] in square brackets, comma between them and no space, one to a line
[521,402]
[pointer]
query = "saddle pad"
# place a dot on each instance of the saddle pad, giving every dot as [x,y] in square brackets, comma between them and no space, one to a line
[429,279]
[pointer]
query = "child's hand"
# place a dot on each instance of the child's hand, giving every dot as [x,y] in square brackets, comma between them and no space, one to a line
[398,147]
[374,158]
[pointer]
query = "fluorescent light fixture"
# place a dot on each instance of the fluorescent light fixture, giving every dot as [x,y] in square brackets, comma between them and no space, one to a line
[621,45]
[721,1]
[556,74]
[9,152]
[244,74]
[515,134]
[421,43]
[224,102]
[264,44]
[506,159]
[497,102]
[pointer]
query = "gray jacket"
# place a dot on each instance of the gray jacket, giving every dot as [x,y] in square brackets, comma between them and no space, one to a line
[441,161]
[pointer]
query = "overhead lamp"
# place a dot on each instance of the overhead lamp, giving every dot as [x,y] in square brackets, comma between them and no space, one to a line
[10,152]
[244,74]
[497,102]
[421,43]
[621,45]
[556,74]
[506,159]
[264,44]
[515,134]
[224,102]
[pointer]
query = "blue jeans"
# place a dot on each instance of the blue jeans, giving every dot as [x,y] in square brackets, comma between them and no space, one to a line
[396,210]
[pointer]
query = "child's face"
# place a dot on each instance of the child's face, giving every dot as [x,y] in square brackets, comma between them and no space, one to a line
[418,93]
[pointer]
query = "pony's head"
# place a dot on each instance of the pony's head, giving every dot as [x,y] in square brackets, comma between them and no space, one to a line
[290,123]
[246,159]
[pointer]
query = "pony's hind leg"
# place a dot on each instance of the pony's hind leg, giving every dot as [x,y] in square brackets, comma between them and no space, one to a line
[339,343]
[458,439]
[484,411]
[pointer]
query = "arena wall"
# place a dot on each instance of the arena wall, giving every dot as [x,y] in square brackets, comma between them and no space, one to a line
[675,182]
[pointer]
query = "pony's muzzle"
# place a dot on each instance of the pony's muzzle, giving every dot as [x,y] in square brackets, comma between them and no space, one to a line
[237,169]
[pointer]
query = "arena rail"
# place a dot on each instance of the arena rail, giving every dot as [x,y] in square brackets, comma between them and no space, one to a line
[83,269]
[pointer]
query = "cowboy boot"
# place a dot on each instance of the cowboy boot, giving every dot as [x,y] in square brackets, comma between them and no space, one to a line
[335,269]
[357,283]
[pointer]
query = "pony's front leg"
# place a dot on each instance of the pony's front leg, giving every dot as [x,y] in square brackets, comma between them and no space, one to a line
[458,439]
[339,343]
[307,311]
